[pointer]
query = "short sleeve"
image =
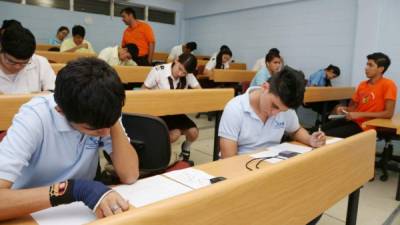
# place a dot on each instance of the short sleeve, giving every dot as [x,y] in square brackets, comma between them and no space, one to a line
[149,34]
[23,138]
[172,54]
[151,80]
[313,81]
[103,54]
[47,75]
[230,124]
[211,64]
[390,91]
[356,95]
[260,78]
[192,81]
[90,48]
[65,46]
[292,121]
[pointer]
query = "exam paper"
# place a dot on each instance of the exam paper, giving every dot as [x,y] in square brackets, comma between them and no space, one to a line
[191,177]
[72,214]
[150,190]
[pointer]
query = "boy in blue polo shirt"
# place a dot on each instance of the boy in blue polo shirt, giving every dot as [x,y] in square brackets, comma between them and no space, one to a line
[50,154]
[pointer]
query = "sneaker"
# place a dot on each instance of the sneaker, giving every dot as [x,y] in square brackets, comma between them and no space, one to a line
[185,153]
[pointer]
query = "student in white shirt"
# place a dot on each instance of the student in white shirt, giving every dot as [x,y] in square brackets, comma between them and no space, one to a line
[77,43]
[20,70]
[180,49]
[120,56]
[222,61]
[177,75]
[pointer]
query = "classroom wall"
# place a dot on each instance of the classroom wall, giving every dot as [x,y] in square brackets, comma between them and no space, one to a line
[101,30]
[310,33]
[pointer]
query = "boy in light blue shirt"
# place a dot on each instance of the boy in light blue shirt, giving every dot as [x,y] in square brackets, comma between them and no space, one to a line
[50,153]
[323,77]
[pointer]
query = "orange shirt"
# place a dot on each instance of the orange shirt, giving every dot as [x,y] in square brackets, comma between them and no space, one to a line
[371,97]
[141,35]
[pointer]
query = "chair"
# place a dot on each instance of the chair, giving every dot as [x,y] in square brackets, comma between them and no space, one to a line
[387,156]
[150,137]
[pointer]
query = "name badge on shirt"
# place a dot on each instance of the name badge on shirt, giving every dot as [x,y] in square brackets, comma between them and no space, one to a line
[278,124]
[93,143]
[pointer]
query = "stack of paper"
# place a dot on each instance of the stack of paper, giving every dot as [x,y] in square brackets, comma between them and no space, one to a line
[191,177]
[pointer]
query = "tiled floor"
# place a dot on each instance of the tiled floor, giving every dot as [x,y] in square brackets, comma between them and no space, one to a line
[376,204]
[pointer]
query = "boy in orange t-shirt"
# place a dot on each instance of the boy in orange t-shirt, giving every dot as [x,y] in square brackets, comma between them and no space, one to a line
[374,98]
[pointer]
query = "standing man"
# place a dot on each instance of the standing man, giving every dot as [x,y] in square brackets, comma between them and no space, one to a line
[140,34]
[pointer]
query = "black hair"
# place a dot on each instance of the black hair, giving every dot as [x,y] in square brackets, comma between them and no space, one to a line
[62,28]
[289,86]
[9,23]
[224,47]
[219,64]
[89,91]
[18,42]
[272,53]
[334,69]
[129,11]
[78,30]
[188,61]
[133,51]
[380,59]
[191,45]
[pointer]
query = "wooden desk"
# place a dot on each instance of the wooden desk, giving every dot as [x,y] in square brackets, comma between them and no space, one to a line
[291,192]
[238,66]
[160,57]
[63,57]
[45,47]
[322,94]
[232,75]
[128,74]
[203,57]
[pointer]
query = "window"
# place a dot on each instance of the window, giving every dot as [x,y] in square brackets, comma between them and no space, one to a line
[92,6]
[161,16]
[59,4]
[139,10]
[15,1]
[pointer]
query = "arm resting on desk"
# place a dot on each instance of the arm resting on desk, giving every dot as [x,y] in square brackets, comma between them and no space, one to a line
[317,139]
[386,114]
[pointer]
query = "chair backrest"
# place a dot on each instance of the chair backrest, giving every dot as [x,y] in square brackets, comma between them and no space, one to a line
[150,137]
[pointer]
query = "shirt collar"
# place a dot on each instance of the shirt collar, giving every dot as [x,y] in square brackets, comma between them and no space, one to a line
[60,121]
[246,101]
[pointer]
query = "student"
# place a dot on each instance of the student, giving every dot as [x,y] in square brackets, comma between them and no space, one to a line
[54,141]
[273,62]
[140,34]
[120,56]
[180,49]
[21,71]
[177,75]
[260,64]
[62,33]
[323,77]
[222,61]
[374,98]
[77,43]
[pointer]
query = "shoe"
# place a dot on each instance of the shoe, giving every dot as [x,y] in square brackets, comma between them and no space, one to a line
[185,153]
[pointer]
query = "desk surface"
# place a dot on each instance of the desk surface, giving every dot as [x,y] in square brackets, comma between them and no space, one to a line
[320,94]
[393,123]
[291,192]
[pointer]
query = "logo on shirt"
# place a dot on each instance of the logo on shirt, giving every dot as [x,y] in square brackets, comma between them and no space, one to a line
[367,97]
[278,124]
[93,143]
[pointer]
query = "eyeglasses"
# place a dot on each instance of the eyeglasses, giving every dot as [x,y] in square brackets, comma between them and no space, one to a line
[8,60]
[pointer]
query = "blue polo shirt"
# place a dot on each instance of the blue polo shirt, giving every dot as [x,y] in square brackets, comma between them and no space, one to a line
[317,79]
[41,148]
[261,77]
[240,123]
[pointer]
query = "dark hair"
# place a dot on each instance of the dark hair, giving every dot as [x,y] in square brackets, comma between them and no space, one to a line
[272,53]
[334,69]
[8,23]
[289,86]
[189,61]
[129,11]
[62,28]
[224,47]
[89,91]
[219,64]
[191,45]
[78,30]
[18,42]
[380,59]
[133,50]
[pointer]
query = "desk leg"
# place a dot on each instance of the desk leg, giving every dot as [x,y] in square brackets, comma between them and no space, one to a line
[352,208]
[398,189]
[216,144]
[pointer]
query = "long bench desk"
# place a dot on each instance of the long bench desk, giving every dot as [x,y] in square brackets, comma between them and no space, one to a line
[127,74]
[63,57]
[291,192]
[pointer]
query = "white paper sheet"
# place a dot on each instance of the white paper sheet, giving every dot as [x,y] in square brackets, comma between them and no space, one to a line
[275,150]
[72,214]
[150,190]
[191,177]
[333,140]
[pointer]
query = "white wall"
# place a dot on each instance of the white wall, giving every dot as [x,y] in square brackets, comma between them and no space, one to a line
[101,30]
[310,34]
